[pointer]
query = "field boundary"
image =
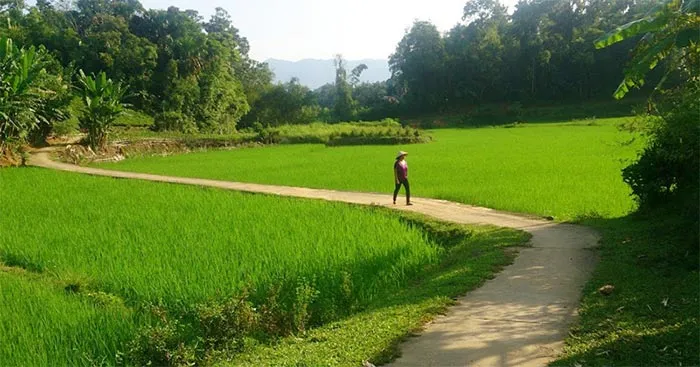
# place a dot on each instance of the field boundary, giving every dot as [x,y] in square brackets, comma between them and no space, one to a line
[521,317]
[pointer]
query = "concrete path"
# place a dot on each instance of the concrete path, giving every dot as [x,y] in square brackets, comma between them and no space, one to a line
[519,318]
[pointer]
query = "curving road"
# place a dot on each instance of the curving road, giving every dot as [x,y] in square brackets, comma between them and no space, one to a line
[519,318]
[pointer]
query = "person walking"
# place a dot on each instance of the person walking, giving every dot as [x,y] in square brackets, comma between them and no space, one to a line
[401,176]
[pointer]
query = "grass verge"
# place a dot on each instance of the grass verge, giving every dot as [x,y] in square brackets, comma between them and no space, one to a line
[651,316]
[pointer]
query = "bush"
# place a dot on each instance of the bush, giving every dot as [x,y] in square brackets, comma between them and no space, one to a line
[224,325]
[133,118]
[174,121]
[305,295]
[161,344]
[388,136]
[667,169]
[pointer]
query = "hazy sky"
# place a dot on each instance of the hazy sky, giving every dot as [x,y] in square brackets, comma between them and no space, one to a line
[301,29]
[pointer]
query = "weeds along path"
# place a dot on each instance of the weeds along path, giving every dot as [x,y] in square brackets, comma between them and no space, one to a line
[519,318]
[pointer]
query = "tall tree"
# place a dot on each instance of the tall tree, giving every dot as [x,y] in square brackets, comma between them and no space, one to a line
[356,73]
[288,103]
[418,67]
[475,54]
[343,108]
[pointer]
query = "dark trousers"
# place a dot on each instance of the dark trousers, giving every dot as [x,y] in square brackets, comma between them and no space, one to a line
[405,184]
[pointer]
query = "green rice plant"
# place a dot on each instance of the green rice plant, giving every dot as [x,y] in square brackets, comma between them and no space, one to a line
[472,254]
[387,131]
[102,272]
[191,245]
[43,325]
[562,170]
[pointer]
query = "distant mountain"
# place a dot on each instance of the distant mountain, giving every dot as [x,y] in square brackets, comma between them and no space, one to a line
[315,73]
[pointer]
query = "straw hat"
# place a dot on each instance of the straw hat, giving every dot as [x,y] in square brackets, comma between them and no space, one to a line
[401,153]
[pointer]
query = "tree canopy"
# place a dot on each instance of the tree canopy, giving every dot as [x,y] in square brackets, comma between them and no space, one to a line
[542,52]
[190,73]
[195,74]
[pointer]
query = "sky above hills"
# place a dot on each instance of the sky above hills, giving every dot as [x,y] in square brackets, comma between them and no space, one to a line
[318,29]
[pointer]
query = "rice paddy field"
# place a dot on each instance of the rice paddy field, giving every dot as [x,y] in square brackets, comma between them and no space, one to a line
[41,325]
[566,170]
[85,261]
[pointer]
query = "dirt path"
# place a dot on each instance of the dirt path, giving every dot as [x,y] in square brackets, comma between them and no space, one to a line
[519,318]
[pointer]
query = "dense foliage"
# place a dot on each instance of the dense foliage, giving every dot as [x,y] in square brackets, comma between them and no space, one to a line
[667,169]
[285,103]
[542,52]
[102,99]
[195,75]
[29,95]
[192,74]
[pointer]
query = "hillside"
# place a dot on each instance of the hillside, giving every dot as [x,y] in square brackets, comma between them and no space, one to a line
[314,73]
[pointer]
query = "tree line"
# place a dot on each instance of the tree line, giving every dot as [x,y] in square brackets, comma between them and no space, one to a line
[193,74]
[542,52]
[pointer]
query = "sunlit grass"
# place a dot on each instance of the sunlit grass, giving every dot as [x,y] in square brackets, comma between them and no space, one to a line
[563,170]
[651,318]
[179,245]
[98,251]
[42,325]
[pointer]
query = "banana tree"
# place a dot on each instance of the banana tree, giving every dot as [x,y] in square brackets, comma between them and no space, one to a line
[102,104]
[671,31]
[22,101]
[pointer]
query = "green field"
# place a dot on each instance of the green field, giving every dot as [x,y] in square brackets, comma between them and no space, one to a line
[98,252]
[42,325]
[565,170]
[92,269]
[188,245]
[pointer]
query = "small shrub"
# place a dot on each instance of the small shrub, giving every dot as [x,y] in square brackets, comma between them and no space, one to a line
[305,295]
[348,299]
[174,121]
[224,325]
[269,136]
[667,170]
[394,139]
[133,118]
[273,319]
[161,344]
[12,154]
